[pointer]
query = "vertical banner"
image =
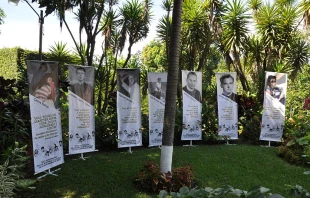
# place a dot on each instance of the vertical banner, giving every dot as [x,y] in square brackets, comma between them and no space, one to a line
[45,115]
[227,105]
[157,83]
[81,109]
[274,106]
[192,85]
[128,108]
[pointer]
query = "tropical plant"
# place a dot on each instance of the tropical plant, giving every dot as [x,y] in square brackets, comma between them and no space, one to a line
[150,178]
[235,27]
[12,172]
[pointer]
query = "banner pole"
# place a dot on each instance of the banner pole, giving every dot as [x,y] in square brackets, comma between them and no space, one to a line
[130,150]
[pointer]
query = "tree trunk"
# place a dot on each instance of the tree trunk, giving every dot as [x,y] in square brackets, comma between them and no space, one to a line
[172,83]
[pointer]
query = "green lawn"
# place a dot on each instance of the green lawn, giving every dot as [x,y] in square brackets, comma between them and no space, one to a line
[110,174]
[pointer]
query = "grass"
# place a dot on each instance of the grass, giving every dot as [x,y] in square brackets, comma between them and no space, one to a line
[110,174]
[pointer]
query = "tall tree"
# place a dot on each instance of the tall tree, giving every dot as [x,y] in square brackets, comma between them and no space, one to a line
[235,26]
[172,83]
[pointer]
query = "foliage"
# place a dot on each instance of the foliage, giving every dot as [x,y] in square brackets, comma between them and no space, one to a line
[154,57]
[296,145]
[250,113]
[298,191]
[14,126]
[12,172]
[150,178]
[220,192]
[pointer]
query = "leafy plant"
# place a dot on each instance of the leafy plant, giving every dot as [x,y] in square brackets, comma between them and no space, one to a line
[226,191]
[298,191]
[296,145]
[12,172]
[150,178]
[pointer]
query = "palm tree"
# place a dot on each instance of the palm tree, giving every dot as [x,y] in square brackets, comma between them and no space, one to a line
[172,83]
[135,21]
[235,27]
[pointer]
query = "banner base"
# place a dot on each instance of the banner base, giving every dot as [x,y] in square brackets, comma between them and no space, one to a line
[82,155]
[227,143]
[49,172]
[190,144]
[266,145]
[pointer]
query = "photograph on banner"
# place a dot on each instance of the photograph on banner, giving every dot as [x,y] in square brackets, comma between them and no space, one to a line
[81,109]
[129,108]
[192,86]
[45,115]
[82,82]
[157,84]
[227,105]
[274,106]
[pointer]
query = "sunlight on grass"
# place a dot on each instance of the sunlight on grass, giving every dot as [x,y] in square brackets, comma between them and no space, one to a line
[153,155]
[67,194]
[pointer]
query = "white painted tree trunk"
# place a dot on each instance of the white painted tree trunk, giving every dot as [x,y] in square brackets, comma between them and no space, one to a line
[166,158]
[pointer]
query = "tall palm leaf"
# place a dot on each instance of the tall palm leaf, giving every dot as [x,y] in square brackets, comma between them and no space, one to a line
[235,25]
[135,21]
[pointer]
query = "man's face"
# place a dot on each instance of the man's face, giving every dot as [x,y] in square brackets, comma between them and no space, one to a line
[159,80]
[227,85]
[131,80]
[80,75]
[273,83]
[191,81]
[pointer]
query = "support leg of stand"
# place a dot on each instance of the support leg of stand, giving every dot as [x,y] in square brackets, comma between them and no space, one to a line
[269,143]
[49,172]
[190,143]
[130,150]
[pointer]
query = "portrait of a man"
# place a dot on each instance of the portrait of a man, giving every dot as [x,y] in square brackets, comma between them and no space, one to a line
[227,84]
[81,88]
[191,81]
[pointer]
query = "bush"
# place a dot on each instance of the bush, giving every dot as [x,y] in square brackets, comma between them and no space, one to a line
[12,172]
[296,140]
[150,178]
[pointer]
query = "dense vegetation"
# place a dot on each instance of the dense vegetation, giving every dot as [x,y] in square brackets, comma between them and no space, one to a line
[246,37]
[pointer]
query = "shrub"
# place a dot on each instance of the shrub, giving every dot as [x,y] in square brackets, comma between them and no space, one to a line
[150,178]
[12,172]
[296,140]
[249,111]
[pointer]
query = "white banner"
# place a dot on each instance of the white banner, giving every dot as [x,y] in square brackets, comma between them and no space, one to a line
[81,109]
[157,84]
[227,105]
[274,107]
[45,115]
[128,108]
[192,86]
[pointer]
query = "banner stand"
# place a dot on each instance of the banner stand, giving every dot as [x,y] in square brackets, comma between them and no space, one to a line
[130,150]
[49,173]
[266,146]
[82,155]
[227,143]
[190,143]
